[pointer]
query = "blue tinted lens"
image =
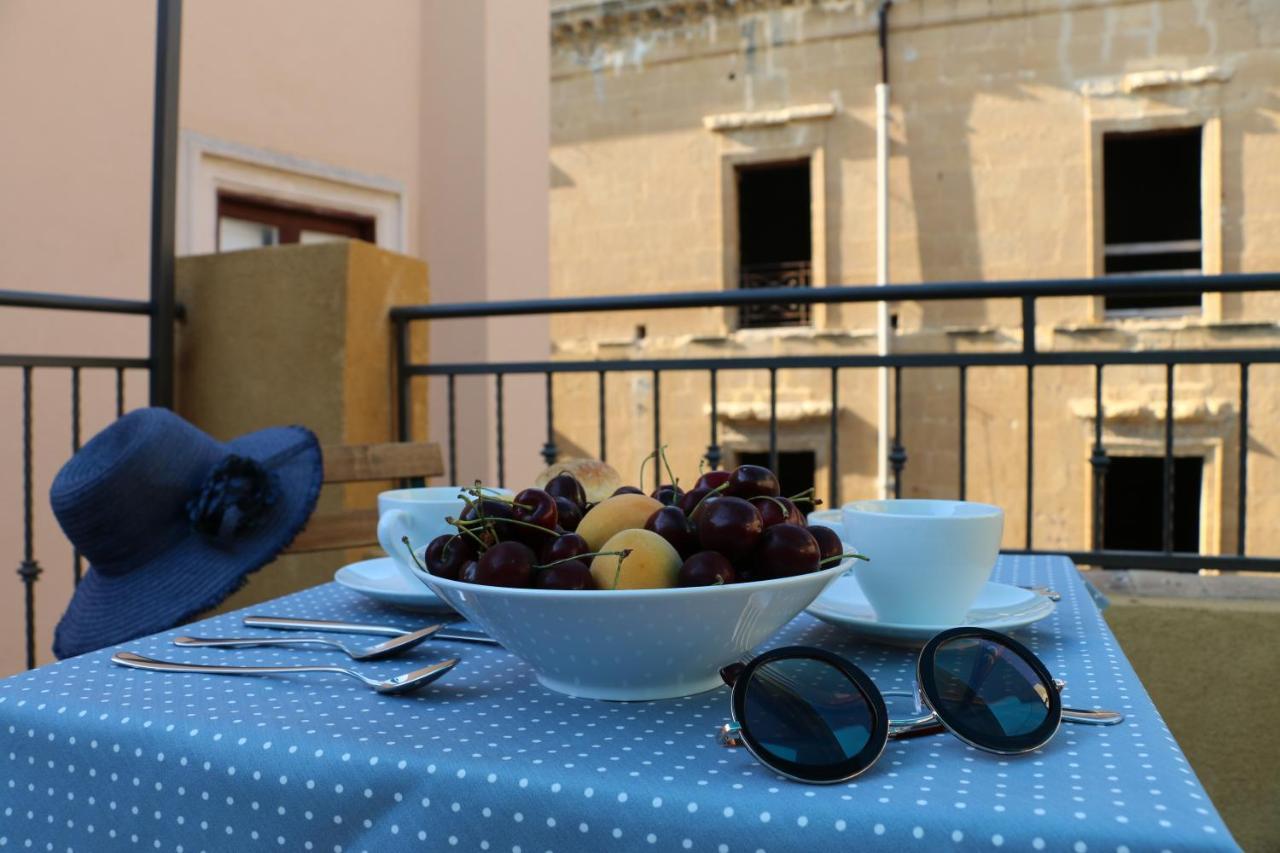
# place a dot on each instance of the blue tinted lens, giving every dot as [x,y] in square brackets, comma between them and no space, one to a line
[806,712]
[987,692]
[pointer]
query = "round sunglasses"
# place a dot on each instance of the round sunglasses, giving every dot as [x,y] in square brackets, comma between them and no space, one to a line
[814,717]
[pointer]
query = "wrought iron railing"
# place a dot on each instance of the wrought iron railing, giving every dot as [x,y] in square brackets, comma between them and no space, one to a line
[31,367]
[1028,356]
[776,275]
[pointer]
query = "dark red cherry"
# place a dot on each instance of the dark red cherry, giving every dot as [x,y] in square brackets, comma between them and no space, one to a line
[673,525]
[626,490]
[447,554]
[505,564]
[667,494]
[569,513]
[829,545]
[574,574]
[692,498]
[565,485]
[729,525]
[468,572]
[777,510]
[706,568]
[784,550]
[747,481]
[563,547]
[712,480]
[535,506]
[487,508]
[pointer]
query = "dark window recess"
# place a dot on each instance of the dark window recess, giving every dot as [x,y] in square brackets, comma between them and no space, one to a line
[795,472]
[774,239]
[1135,503]
[1151,215]
[247,222]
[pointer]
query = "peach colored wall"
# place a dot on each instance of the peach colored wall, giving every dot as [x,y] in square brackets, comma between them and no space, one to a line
[402,91]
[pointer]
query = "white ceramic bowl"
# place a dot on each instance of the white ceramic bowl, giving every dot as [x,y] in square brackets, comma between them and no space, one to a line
[633,644]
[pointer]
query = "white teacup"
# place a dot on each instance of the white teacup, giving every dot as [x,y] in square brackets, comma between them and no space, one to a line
[420,515]
[929,559]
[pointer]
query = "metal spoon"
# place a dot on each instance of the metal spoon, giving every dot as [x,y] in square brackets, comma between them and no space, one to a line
[1050,594]
[385,649]
[282,623]
[391,686]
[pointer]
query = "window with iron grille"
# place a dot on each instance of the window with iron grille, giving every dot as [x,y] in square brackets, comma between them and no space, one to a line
[1151,213]
[774,238]
[1134,508]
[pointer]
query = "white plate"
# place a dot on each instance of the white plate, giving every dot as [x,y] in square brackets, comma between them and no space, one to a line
[1000,607]
[380,580]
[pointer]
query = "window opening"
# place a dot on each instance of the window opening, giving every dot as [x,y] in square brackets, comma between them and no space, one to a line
[774,238]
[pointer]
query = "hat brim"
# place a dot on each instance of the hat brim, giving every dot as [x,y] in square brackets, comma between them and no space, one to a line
[196,573]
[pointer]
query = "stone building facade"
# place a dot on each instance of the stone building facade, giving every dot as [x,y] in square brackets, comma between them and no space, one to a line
[665,114]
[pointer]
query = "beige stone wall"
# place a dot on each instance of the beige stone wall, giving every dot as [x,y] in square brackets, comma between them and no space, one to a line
[997,115]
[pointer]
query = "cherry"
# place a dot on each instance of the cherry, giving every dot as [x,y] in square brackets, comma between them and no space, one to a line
[505,564]
[829,544]
[468,572]
[673,525]
[712,479]
[570,513]
[706,568]
[777,510]
[488,508]
[573,574]
[747,481]
[729,525]
[692,498]
[537,507]
[447,554]
[563,547]
[667,494]
[784,550]
[565,485]
[626,490]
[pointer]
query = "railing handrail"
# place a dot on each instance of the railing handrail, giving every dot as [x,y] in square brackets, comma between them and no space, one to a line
[70,302]
[929,291]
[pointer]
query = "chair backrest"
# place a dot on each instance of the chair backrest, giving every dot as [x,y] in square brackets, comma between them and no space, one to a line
[358,463]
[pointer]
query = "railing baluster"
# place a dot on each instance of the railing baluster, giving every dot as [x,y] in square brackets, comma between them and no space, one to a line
[713,449]
[773,419]
[549,450]
[964,438]
[451,383]
[29,570]
[119,391]
[657,429]
[77,563]
[1242,475]
[833,471]
[603,423]
[402,380]
[1166,513]
[897,453]
[502,448]
[1031,451]
[1100,463]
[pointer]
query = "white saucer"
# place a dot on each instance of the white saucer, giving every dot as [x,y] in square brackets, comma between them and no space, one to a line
[380,580]
[1000,607]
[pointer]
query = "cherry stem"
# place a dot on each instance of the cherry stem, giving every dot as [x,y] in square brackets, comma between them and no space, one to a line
[845,556]
[644,462]
[463,527]
[626,552]
[516,522]
[776,500]
[413,556]
[717,490]
[806,497]
[662,452]
[502,499]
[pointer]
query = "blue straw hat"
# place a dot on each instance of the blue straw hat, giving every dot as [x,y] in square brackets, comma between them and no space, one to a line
[173,521]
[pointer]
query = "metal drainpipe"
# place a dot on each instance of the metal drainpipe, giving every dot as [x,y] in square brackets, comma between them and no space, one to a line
[882,245]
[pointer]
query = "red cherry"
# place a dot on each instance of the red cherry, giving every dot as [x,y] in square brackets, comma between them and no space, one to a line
[747,481]
[574,574]
[706,568]
[673,525]
[712,480]
[447,554]
[784,550]
[729,525]
[829,544]
[505,564]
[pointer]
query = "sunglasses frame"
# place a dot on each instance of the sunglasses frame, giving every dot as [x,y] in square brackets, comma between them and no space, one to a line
[738,676]
[928,686]
[828,774]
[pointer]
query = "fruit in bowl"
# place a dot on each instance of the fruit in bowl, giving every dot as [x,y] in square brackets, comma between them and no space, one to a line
[631,608]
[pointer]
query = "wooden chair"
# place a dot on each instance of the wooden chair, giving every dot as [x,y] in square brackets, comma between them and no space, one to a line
[359,463]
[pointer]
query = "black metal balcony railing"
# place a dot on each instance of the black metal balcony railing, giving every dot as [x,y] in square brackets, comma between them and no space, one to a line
[1028,357]
[29,569]
[776,275]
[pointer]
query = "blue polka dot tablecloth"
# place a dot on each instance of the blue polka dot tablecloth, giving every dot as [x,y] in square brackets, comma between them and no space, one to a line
[95,757]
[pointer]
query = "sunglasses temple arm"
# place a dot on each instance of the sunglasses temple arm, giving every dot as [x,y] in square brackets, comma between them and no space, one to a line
[1092,718]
